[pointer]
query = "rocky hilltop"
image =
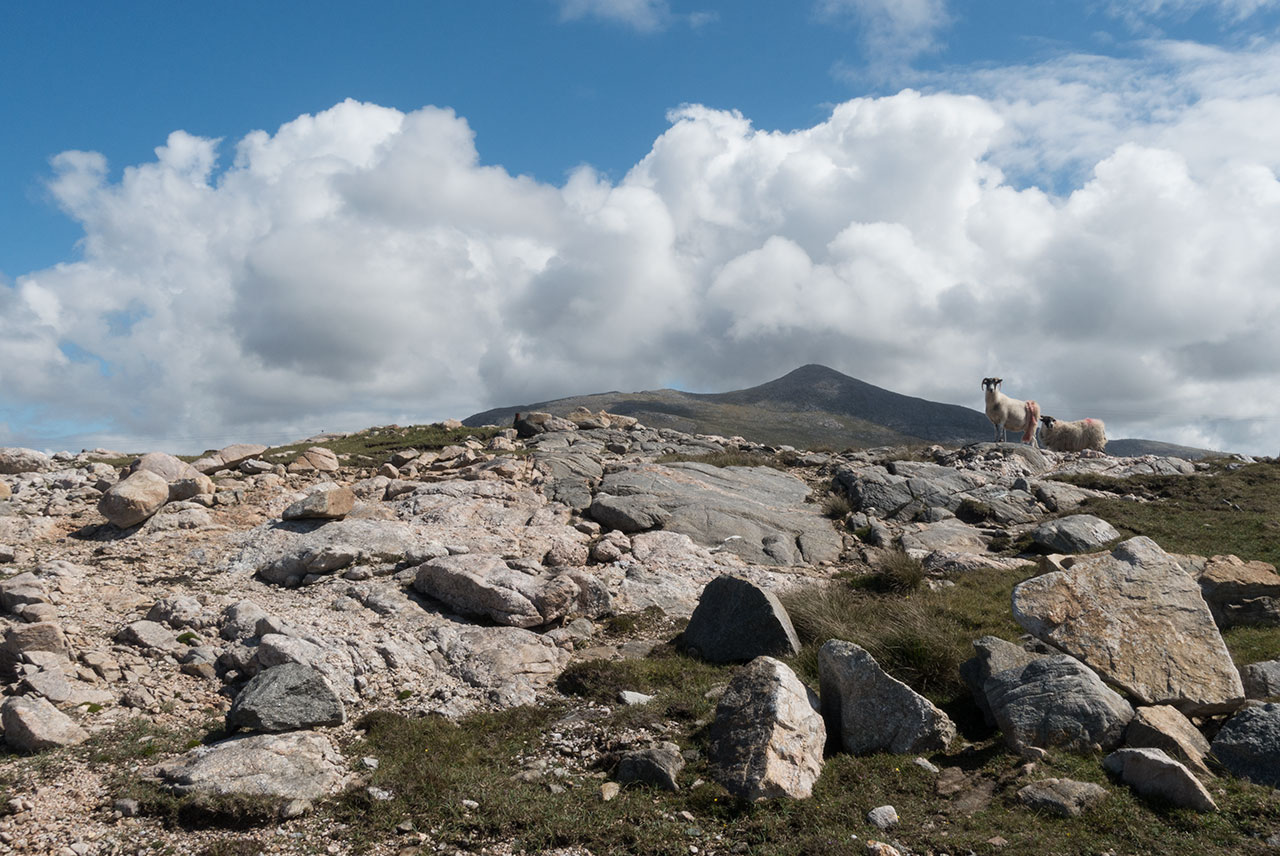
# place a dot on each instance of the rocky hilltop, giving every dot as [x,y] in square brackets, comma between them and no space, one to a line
[193,649]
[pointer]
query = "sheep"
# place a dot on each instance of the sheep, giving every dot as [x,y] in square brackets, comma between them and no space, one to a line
[1062,436]
[1005,412]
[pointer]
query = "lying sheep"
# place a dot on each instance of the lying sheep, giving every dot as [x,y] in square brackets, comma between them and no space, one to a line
[1073,436]
[1005,412]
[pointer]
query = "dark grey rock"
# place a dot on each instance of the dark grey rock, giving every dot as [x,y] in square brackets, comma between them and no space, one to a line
[288,697]
[1249,744]
[657,765]
[736,621]
[993,655]
[1056,701]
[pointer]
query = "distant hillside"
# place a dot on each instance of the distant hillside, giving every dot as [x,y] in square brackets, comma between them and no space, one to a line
[812,407]
[1134,448]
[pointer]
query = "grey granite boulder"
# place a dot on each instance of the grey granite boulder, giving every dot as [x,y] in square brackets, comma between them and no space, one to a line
[288,553]
[1240,592]
[658,765]
[288,697]
[315,459]
[1063,797]
[509,664]
[1249,744]
[1152,773]
[21,590]
[15,460]
[736,621]
[131,501]
[1056,701]
[299,765]
[228,456]
[324,501]
[1137,618]
[867,710]
[149,636]
[168,467]
[1261,680]
[992,655]
[476,584]
[948,536]
[1077,533]
[571,472]
[768,736]
[34,724]
[241,620]
[1163,727]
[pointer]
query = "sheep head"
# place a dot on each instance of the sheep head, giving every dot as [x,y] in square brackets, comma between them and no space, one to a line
[991,382]
[1048,421]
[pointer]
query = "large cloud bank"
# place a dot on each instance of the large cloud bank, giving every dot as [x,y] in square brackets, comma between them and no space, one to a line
[362,266]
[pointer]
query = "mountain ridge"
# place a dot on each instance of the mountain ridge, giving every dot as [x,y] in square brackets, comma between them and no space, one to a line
[813,406]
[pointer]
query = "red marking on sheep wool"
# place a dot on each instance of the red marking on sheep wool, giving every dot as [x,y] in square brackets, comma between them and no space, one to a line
[1033,417]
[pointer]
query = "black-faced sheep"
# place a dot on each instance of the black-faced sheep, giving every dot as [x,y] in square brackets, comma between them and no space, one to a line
[1005,412]
[1074,436]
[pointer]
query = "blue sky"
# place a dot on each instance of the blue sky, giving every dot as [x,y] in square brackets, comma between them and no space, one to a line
[406,211]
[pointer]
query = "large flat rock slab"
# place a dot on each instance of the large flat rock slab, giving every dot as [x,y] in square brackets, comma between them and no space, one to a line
[1137,618]
[758,513]
[301,765]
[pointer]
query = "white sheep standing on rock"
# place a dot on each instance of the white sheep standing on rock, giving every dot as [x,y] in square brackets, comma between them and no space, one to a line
[1062,436]
[1005,412]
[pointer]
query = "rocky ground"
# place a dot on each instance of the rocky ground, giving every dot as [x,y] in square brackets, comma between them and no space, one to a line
[441,583]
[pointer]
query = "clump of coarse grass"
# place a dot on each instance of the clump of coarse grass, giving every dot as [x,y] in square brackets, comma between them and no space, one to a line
[974,511]
[900,573]
[909,638]
[836,506]
[919,637]
[651,619]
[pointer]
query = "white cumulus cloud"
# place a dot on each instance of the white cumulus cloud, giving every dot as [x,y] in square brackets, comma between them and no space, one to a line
[361,266]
